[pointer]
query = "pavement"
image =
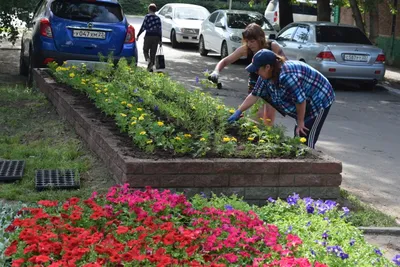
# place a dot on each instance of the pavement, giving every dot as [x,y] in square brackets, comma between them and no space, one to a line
[387,239]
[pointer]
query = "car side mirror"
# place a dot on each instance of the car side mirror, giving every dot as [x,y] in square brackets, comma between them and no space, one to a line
[220,25]
[272,36]
[168,16]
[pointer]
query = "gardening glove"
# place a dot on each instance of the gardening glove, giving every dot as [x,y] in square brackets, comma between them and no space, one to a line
[235,116]
[214,76]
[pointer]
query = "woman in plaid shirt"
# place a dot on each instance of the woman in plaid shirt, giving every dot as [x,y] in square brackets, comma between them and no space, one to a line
[295,89]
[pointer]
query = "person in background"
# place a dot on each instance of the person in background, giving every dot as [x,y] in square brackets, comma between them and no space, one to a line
[152,26]
[295,88]
[253,40]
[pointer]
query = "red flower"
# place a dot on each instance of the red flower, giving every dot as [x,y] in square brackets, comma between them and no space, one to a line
[317,264]
[48,203]
[73,200]
[122,230]
[191,250]
[12,249]
[17,262]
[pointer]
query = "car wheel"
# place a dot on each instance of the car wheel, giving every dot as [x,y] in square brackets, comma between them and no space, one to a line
[369,86]
[174,42]
[224,50]
[32,65]
[202,48]
[23,67]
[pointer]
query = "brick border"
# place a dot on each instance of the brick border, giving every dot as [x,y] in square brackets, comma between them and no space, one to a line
[253,179]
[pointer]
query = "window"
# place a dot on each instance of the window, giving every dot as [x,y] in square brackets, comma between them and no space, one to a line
[163,11]
[87,11]
[272,5]
[241,20]
[305,8]
[287,34]
[301,35]
[40,9]
[191,13]
[213,17]
[220,18]
[340,34]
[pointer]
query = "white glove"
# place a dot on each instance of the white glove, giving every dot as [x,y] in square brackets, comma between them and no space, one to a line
[214,76]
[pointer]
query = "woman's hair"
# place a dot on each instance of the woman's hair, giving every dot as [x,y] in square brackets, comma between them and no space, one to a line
[276,68]
[152,7]
[253,31]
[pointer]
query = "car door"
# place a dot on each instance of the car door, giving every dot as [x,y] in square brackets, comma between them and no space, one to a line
[32,25]
[166,21]
[219,31]
[285,39]
[161,14]
[301,43]
[208,29]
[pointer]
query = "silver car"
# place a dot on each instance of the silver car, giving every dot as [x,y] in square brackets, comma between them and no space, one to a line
[181,22]
[340,52]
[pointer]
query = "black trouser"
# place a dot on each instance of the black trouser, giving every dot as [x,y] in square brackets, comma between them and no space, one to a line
[150,45]
[314,126]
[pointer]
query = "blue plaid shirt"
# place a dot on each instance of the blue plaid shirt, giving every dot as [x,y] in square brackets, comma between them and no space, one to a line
[152,25]
[298,82]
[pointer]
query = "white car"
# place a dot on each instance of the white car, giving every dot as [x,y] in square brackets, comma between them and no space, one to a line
[181,22]
[222,31]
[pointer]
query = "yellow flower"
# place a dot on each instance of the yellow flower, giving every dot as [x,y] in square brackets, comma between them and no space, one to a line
[261,141]
[98,91]
[133,118]
[105,93]
[83,83]
[123,103]
[133,122]
[232,111]
[255,127]
[105,89]
[188,135]
[73,67]
[226,139]
[139,109]
[250,138]
[141,118]
[233,139]
[202,94]
[194,108]
[72,75]
[123,114]
[129,105]
[149,141]
[268,120]
[177,138]
[219,107]
[106,100]
[64,62]
[202,139]
[277,136]
[160,123]
[303,140]
[142,133]
[96,85]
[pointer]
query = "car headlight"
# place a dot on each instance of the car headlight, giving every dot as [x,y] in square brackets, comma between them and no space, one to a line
[188,31]
[235,38]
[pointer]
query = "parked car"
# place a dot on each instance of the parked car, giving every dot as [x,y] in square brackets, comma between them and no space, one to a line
[181,22]
[63,30]
[222,30]
[340,52]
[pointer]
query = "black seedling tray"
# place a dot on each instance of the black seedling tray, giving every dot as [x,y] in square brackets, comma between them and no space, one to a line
[56,179]
[11,170]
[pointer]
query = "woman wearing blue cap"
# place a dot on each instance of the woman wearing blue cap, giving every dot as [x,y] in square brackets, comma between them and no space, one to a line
[294,88]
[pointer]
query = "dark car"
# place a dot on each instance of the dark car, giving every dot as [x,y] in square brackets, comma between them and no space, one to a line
[62,30]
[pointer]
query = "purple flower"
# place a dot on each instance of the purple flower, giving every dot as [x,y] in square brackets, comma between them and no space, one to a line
[308,224]
[270,199]
[289,229]
[312,251]
[377,251]
[325,235]
[352,241]
[156,108]
[197,79]
[140,100]
[228,207]
[396,260]
[310,209]
[330,204]
[292,200]
[344,255]
[203,195]
[308,200]
[136,90]
[346,210]
[322,209]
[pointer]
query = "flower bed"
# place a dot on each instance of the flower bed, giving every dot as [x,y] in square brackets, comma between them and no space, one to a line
[153,228]
[162,115]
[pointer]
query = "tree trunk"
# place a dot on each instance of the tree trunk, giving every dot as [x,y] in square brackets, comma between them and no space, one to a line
[374,24]
[285,13]
[323,10]
[357,14]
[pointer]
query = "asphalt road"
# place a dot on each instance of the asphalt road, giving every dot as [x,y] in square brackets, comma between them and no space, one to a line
[362,129]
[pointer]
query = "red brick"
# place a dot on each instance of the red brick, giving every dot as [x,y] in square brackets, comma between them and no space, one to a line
[286,180]
[309,180]
[295,166]
[178,166]
[139,180]
[326,167]
[245,166]
[333,179]
[178,180]
[253,180]
[211,180]
[115,170]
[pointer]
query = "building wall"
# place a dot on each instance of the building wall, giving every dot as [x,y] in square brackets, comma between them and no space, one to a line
[385,41]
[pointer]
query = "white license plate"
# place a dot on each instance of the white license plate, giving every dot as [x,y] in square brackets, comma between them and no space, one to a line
[350,57]
[89,34]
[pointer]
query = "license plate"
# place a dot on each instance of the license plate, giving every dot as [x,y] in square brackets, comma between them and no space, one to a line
[89,34]
[350,57]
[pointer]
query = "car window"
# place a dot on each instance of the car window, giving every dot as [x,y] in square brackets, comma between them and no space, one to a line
[305,8]
[191,13]
[301,34]
[40,9]
[220,17]
[287,34]
[241,20]
[340,34]
[163,10]
[213,17]
[272,6]
[87,11]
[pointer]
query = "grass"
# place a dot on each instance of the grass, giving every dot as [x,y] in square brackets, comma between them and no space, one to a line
[31,130]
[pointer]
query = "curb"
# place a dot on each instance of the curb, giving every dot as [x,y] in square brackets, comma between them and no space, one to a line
[390,89]
[381,230]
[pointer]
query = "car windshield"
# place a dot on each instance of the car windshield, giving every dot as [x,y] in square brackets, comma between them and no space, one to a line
[240,21]
[87,11]
[191,13]
[340,34]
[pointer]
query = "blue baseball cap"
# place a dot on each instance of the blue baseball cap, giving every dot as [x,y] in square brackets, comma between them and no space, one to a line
[261,58]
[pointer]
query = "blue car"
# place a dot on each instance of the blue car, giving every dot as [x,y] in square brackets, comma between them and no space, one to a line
[62,30]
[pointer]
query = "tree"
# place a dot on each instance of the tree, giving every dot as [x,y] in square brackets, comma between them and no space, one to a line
[323,10]
[285,13]
[10,10]
[357,14]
